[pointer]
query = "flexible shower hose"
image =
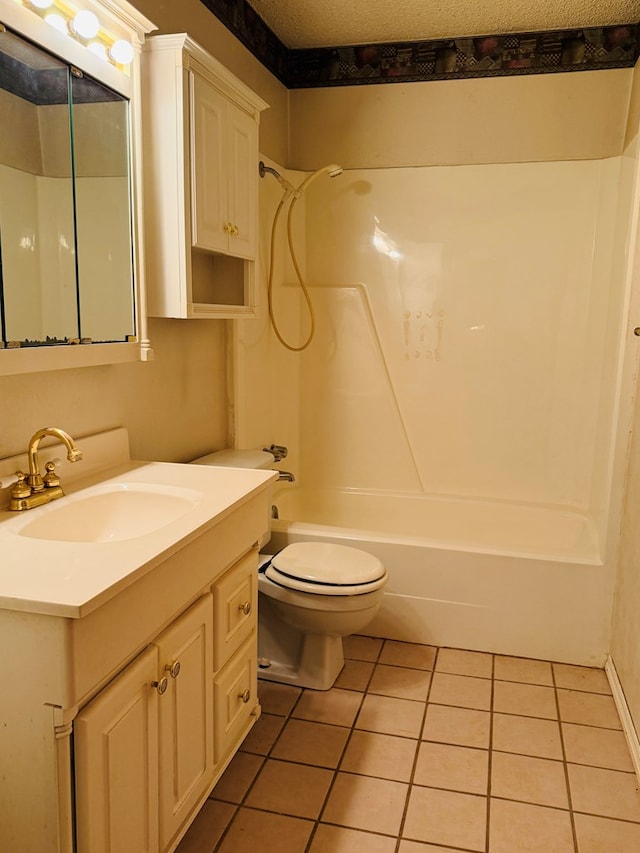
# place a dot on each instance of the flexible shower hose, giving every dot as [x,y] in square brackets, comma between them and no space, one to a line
[301,282]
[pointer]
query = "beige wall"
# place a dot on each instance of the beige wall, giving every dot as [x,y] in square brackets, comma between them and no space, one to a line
[502,120]
[193,17]
[625,641]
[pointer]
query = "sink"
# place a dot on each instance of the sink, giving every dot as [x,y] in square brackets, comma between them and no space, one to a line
[113,512]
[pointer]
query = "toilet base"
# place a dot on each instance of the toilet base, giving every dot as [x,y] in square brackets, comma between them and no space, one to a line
[315,662]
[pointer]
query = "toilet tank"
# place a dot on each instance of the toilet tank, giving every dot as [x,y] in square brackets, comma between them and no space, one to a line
[237,459]
[230,458]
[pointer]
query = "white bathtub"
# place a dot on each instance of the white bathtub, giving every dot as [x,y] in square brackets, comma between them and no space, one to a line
[513,579]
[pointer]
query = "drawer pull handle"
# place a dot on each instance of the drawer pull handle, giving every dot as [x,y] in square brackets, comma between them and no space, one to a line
[245,608]
[161,686]
[245,696]
[173,669]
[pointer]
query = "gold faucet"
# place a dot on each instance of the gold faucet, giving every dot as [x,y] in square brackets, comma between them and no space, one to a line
[35,490]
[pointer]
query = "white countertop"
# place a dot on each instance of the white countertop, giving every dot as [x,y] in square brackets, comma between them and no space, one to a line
[70,579]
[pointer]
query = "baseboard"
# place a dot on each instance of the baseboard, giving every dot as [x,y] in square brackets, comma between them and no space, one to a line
[625,715]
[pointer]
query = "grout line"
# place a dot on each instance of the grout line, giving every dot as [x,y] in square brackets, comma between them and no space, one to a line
[490,752]
[564,762]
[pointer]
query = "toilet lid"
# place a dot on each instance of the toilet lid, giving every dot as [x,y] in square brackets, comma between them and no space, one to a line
[327,569]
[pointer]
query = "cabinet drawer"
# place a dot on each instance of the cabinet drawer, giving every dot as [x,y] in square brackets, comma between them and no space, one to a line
[234,698]
[235,604]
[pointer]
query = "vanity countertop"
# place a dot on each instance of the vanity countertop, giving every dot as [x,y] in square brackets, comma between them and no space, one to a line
[58,577]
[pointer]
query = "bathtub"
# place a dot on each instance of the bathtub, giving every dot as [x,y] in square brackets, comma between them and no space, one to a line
[513,579]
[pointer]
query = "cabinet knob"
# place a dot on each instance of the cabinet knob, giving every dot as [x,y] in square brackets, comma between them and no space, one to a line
[245,608]
[234,230]
[245,696]
[161,686]
[227,228]
[173,669]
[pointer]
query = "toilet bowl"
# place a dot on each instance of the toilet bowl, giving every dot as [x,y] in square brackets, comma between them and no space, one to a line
[310,595]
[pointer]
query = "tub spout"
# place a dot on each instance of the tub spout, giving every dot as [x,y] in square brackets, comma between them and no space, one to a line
[286,475]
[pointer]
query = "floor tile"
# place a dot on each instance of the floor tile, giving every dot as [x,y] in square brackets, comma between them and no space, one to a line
[608,793]
[400,682]
[589,709]
[581,678]
[336,839]
[207,829]
[527,736]
[384,756]
[355,675]
[529,780]
[523,670]
[292,789]
[460,690]
[597,747]
[277,698]
[362,802]
[445,817]
[459,662]
[462,726]
[391,716]
[361,648]
[523,828]
[335,706]
[311,743]
[238,777]
[602,835]
[457,768]
[408,654]
[263,734]
[528,700]
[253,830]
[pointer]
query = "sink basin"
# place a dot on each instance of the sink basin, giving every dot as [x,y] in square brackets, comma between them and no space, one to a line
[110,513]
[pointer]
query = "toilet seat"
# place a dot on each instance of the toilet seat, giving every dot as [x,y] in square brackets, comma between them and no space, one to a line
[322,568]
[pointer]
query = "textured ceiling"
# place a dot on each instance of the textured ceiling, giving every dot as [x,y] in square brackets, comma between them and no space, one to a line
[331,23]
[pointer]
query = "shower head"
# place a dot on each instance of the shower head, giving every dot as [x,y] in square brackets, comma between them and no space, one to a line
[333,170]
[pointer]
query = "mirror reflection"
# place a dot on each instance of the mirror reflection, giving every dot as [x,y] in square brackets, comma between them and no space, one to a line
[66,268]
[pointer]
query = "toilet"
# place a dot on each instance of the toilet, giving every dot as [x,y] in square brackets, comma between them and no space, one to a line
[310,596]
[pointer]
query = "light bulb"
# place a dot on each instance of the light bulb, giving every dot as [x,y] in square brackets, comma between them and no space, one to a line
[97,48]
[57,22]
[42,4]
[85,24]
[121,52]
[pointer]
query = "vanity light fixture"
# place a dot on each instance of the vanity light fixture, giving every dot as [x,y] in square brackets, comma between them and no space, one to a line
[84,26]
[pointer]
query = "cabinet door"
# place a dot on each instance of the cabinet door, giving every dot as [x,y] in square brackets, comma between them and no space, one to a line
[235,696]
[210,224]
[116,764]
[186,715]
[242,164]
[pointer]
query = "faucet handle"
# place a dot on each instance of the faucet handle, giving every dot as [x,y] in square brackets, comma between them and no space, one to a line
[21,489]
[51,478]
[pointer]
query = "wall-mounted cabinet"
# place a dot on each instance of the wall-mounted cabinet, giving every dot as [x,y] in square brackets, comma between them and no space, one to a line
[200,128]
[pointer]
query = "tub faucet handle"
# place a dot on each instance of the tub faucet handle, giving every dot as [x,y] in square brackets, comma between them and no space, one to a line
[278,451]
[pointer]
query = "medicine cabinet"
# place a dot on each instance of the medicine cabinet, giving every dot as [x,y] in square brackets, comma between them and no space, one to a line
[200,127]
[70,277]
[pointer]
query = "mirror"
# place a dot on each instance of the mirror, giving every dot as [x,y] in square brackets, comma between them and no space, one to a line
[66,260]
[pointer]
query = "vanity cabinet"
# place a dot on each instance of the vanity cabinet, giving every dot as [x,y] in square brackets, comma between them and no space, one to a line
[200,130]
[118,719]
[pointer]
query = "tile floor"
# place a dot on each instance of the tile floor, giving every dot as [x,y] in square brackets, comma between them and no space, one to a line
[425,750]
